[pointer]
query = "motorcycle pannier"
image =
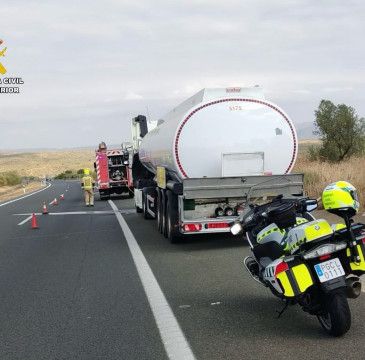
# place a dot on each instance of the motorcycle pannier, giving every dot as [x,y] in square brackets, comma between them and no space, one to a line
[296,280]
[358,268]
[282,215]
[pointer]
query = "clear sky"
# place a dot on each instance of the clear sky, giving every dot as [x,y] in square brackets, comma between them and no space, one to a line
[90,66]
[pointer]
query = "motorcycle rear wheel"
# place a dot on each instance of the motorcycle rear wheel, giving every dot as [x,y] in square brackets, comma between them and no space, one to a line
[336,319]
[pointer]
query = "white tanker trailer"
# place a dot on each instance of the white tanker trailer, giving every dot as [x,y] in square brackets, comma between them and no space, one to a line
[196,170]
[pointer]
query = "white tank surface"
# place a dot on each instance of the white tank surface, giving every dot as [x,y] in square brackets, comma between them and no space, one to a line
[222,132]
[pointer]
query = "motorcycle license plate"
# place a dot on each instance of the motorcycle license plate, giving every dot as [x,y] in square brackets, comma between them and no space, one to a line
[329,270]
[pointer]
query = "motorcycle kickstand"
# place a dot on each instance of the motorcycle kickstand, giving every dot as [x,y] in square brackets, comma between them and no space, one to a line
[284,308]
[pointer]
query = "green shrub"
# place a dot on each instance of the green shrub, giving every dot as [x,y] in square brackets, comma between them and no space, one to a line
[10,179]
[68,174]
[313,153]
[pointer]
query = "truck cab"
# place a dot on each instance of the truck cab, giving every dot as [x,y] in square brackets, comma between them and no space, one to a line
[113,172]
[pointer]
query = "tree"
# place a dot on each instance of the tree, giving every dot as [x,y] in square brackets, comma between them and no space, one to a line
[342,132]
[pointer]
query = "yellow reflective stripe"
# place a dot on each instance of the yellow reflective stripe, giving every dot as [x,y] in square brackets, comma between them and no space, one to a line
[269,232]
[88,183]
[294,246]
[302,276]
[301,221]
[361,264]
[285,283]
[317,230]
[339,226]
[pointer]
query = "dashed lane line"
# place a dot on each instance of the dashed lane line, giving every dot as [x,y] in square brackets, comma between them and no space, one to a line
[24,221]
[101,212]
[174,341]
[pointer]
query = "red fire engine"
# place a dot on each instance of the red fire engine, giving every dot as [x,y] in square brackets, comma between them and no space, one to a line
[113,172]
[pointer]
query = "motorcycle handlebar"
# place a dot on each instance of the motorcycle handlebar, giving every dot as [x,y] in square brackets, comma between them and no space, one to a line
[258,212]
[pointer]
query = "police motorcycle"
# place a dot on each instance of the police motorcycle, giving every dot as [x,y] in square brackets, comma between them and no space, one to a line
[304,260]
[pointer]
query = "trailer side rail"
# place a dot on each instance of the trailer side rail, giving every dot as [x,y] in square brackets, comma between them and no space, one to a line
[243,186]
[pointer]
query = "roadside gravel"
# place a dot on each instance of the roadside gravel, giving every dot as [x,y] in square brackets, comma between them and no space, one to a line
[12,192]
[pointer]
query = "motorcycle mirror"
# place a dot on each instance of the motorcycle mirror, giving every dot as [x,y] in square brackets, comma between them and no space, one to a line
[311,204]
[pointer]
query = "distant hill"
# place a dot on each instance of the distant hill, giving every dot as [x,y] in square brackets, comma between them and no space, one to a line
[305,131]
[40,163]
[91,148]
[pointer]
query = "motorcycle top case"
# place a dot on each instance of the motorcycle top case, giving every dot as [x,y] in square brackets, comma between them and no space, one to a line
[307,232]
[293,281]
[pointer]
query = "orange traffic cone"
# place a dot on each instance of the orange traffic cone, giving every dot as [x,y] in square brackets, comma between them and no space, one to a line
[55,202]
[62,197]
[44,211]
[34,222]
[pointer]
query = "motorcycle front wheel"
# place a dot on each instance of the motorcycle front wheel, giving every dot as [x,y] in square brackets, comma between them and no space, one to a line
[336,317]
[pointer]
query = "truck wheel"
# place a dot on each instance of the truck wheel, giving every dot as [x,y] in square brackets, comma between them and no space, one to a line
[336,319]
[104,197]
[163,214]
[146,215]
[172,219]
[158,209]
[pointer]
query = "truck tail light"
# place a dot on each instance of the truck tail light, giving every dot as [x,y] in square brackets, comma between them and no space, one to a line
[192,227]
[219,225]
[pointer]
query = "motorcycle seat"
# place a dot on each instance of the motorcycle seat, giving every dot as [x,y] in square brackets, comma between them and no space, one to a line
[271,250]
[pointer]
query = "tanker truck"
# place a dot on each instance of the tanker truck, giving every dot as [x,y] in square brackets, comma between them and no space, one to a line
[207,158]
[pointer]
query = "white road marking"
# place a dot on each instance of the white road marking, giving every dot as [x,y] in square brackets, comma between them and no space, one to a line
[33,193]
[125,211]
[24,221]
[174,341]
[97,212]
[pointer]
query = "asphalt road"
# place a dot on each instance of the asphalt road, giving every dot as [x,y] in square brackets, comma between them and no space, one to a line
[72,289]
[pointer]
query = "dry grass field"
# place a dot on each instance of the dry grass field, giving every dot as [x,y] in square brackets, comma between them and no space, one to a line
[319,174]
[40,163]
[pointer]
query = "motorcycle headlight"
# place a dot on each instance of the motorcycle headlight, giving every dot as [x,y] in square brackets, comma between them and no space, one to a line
[236,229]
